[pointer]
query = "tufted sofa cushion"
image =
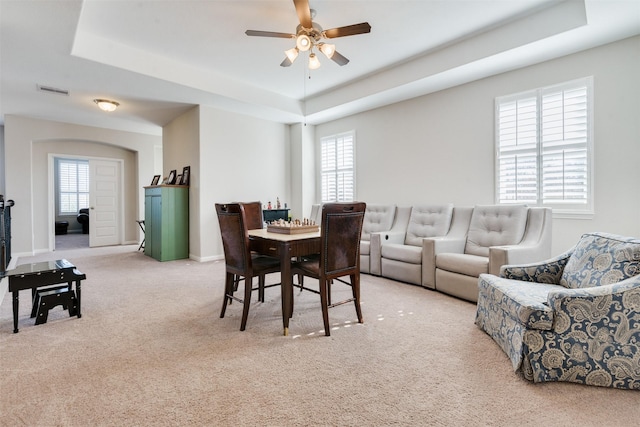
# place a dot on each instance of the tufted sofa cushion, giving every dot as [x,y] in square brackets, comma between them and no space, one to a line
[428,221]
[377,218]
[601,259]
[495,226]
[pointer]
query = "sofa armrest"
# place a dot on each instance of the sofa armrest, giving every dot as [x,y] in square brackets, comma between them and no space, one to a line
[592,310]
[392,237]
[548,271]
[375,253]
[431,247]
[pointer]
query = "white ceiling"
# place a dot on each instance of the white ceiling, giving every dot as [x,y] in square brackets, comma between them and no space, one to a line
[159,58]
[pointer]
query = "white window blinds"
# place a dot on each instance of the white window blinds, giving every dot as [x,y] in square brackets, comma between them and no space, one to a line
[337,167]
[73,186]
[543,147]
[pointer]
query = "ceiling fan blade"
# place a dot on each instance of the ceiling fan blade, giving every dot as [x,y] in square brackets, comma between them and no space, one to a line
[339,59]
[304,12]
[286,63]
[269,34]
[349,30]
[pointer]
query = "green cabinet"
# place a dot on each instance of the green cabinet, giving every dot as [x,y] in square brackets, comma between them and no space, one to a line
[166,220]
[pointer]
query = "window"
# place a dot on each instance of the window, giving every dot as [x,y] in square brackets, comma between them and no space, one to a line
[337,167]
[544,147]
[73,186]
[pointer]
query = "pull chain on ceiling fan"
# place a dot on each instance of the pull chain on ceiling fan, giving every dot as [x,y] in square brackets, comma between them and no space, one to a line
[310,35]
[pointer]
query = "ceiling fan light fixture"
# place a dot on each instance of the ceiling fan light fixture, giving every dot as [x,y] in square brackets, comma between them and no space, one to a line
[303,42]
[314,62]
[292,53]
[106,105]
[328,49]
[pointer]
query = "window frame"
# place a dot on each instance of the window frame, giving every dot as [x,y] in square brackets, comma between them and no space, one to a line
[78,193]
[337,170]
[563,209]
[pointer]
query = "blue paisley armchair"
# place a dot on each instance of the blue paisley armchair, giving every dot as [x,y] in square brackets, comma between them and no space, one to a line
[573,318]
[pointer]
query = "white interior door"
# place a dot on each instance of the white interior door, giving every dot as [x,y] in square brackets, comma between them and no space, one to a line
[104,224]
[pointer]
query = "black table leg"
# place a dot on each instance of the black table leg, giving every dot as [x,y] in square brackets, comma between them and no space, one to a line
[78,295]
[16,300]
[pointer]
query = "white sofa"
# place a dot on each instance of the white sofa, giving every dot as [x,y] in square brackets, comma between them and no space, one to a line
[497,235]
[401,252]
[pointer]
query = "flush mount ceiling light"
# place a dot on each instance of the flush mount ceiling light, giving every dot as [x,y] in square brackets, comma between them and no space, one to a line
[106,105]
[309,35]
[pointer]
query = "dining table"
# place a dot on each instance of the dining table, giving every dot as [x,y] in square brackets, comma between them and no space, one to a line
[286,247]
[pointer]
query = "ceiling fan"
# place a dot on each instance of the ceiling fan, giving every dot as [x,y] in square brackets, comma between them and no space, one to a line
[309,35]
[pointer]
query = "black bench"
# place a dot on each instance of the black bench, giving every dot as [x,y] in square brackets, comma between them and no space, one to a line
[39,277]
[48,298]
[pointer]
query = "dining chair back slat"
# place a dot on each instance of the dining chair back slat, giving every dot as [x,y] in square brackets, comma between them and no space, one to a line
[253,215]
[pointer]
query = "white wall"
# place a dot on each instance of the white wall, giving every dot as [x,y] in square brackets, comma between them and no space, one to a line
[439,148]
[181,147]
[241,158]
[303,170]
[27,144]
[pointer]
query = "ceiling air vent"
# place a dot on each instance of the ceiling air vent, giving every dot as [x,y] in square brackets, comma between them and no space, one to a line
[50,89]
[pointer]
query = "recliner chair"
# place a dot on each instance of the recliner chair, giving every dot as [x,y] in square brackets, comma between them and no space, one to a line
[83,218]
[497,235]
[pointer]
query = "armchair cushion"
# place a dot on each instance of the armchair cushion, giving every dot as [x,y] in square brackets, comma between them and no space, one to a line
[525,304]
[495,225]
[601,259]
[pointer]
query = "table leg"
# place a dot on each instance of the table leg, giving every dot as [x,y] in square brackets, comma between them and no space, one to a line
[78,296]
[286,286]
[16,300]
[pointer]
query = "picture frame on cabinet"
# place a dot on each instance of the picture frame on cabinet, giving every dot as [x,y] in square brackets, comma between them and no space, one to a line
[155,180]
[172,177]
[186,171]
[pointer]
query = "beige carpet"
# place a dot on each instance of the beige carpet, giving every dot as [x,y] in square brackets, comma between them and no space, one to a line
[72,241]
[150,350]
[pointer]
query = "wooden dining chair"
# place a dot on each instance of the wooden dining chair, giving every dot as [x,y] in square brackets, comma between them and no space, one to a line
[253,215]
[239,261]
[340,232]
[254,220]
